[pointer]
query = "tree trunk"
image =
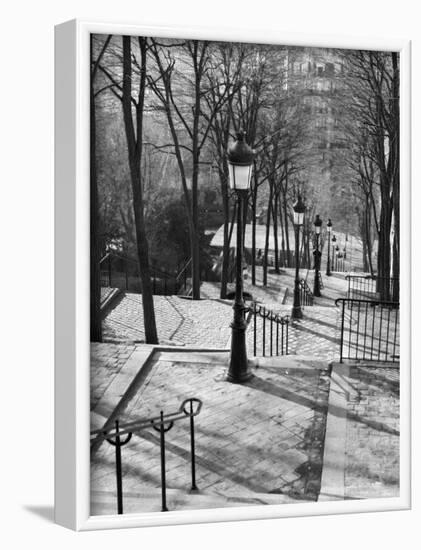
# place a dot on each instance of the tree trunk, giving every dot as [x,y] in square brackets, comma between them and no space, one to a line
[265,256]
[95,268]
[275,230]
[286,231]
[253,233]
[134,148]
[194,236]
[396,178]
[281,220]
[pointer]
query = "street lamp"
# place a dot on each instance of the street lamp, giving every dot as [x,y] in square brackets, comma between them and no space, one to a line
[337,257]
[329,231]
[333,253]
[240,164]
[299,209]
[317,257]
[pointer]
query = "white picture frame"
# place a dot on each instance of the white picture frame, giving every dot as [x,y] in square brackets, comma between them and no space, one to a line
[72,279]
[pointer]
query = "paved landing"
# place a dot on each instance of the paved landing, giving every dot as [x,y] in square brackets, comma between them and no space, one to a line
[180,321]
[260,442]
[317,333]
[361,458]
[372,435]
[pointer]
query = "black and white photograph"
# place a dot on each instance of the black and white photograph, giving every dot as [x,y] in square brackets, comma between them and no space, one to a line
[244,274]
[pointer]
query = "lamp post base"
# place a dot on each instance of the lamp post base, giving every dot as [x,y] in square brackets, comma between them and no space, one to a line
[296,312]
[239,379]
[239,369]
[316,287]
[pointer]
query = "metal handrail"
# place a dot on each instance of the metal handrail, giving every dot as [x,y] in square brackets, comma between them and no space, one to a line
[183,269]
[363,285]
[166,282]
[278,330]
[360,277]
[183,272]
[189,408]
[306,295]
[369,330]
[153,269]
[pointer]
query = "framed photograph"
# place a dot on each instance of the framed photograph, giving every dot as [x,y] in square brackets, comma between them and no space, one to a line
[232,250]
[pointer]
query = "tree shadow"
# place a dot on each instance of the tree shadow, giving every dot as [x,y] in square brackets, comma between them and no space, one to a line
[283,393]
[268,387]
[299,327]
[378,379]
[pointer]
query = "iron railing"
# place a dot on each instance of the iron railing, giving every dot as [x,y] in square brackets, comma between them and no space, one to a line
[372,287]
[306,295]
[189,408]
[120,271]
[270,331]
[369,330]
[340,265]
[183,280]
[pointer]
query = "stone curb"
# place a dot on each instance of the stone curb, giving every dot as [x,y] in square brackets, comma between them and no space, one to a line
[334,457]
[130,377]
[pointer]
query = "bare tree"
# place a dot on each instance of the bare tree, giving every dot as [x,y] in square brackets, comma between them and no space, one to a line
[133,123]
[372,87]
[95,273]
[181,92]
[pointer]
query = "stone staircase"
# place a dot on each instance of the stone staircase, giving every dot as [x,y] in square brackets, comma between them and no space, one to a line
[178,500]
[240,462]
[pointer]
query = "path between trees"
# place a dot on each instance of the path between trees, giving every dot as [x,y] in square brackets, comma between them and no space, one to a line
[206,323]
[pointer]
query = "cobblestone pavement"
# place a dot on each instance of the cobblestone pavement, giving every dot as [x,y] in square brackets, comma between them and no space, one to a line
[256,442]
[180,321]
[106,362]
[206,323]
[372,438]
[317,333]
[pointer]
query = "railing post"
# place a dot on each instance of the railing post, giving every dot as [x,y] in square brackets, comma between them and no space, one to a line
[118,444]
[342,330]
[163,475]
[254,329]
[192,450]
[282,338]
[264,331]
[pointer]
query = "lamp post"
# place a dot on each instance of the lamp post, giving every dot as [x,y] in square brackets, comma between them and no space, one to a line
[240,164]
[299,209]
[329,230]
[337,257]
[333,252]
[317,257]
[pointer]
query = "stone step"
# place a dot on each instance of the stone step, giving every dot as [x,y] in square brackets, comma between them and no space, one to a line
[213,357]
[150,501]
[291,362]
[105,502]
